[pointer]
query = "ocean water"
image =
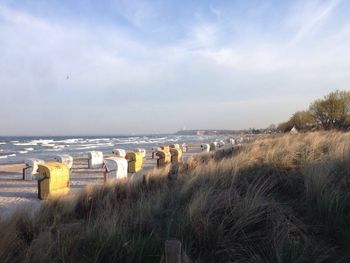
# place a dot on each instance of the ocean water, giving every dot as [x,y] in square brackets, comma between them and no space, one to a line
[16,149]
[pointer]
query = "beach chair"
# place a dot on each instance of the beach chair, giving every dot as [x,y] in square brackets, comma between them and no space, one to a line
[205,147]
[65,159]
[119,153]
[176,156]
[165,148]
[184,147]
[142,151]
[115,168]
[163,158]
[221,144]
[135,161]
[54,179]
[31,168]
[231,141]
[95,159]
[174,146]
[213,146]
[154,150]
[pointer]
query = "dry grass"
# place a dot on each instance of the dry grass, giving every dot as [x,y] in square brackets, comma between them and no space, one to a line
[278,199]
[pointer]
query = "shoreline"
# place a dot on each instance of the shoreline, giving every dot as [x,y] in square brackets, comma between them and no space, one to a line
[16,151]
[16,193]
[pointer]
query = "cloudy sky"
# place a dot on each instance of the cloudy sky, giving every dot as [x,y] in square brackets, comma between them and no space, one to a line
[128,66]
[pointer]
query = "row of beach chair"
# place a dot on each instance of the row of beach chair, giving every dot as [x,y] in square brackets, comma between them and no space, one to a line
[53,176]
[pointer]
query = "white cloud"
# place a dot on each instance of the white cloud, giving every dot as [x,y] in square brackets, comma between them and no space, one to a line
[115,76]
[308,17]
[136,12]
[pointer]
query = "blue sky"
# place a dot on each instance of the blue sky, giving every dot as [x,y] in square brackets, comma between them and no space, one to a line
[159,66]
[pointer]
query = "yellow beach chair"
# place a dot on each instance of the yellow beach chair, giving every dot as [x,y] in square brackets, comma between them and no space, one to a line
[54,179]
[135,161]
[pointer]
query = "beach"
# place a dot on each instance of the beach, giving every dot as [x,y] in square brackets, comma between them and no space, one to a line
[16,193]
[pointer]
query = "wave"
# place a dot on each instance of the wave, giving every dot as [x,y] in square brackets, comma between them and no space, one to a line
[49,145]
[59,146]
[52,150]
[101,139]
[24,144]
[78,145]
[29,149]
[93,146]
[70,141]
[5,156]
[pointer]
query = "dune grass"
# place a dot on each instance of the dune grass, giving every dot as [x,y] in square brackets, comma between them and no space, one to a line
[283,198]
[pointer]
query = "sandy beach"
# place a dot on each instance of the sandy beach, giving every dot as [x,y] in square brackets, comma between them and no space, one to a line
[16,193]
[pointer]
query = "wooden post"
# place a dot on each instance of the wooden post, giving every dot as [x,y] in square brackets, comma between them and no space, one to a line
[172,251]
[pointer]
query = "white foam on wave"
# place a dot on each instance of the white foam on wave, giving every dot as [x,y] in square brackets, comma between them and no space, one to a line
[29,149]
[24,144]
[93,146]
[52,150]
[33,142]
[100,139]
[41,141]
[49,145]
[1,143]
[5,156]
[59,146]
[87,147]
[118,143]
[22,152]
[70,141]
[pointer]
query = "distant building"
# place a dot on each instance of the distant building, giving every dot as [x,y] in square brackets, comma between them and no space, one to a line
[294,130]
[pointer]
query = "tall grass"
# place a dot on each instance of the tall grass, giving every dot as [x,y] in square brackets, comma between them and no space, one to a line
[283,198]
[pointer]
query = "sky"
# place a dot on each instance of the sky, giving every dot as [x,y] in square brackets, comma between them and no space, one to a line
[89,67]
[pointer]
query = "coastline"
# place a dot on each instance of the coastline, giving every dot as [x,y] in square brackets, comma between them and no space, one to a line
[16,193]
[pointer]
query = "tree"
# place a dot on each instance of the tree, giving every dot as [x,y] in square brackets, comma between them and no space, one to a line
[302,120]
[333,110]
[272,127]
[284,127]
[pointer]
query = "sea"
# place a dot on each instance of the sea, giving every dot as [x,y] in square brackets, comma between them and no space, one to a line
[17,149]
